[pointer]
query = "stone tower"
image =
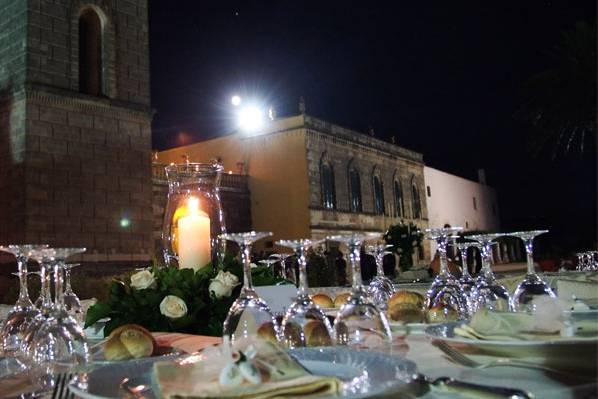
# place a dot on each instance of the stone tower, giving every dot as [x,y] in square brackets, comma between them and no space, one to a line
[75,126]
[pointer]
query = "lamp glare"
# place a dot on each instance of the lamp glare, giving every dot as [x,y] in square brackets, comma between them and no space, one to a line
[236,100]
[251,118]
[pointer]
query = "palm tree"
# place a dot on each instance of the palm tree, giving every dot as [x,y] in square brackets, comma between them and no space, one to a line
[561,101]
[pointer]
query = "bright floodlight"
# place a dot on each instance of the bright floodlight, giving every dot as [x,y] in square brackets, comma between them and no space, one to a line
[236,100]
[251,118]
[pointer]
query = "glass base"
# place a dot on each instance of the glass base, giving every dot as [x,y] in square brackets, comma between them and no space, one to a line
[446,292]
[490,296]
[361,325]
[250,317]
[305,324]
[530,288]
[60,340]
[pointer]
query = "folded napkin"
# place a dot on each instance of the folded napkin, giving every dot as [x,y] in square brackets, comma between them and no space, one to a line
[508,326]
[584,290]
[282,377]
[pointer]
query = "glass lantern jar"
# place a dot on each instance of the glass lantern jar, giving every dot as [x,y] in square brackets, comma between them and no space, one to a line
[193,218]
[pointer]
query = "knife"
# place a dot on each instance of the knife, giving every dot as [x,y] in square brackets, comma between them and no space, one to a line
[450,385]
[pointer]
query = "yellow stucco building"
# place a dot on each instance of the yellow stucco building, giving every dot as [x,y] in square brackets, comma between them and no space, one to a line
[311,178]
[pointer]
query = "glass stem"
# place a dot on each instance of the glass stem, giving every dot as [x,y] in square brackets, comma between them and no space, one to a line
[283,268]
[442,251]
[58,280]
[246,257]
[302,289]
[22,269]
[529,250]
[380,264]
[355,259]
[464,266]
[67,279]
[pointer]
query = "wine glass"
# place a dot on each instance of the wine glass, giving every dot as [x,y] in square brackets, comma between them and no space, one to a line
[488,293]
[360,323]
[446,294]
[381,287]
[304,323]
[44,303]
[283,267]
[533,285]
[60,339]
[71,300]
[249,314]
[23,310]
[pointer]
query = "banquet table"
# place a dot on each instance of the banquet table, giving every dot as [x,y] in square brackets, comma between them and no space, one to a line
[416,347]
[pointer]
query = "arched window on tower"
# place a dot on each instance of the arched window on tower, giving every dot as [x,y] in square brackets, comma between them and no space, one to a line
[415,200]
[328,187]
[90,53]
[399,203]
[355,190]
[378,196]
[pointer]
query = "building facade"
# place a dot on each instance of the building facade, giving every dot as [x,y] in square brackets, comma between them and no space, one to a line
[311,178]
[75,126]
[460,202]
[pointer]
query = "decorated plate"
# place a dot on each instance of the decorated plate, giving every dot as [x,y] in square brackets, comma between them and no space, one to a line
[364,374]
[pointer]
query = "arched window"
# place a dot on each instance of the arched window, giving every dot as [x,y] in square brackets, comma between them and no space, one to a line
[355,190]
[399,203]
[328,187]
[378,196]
[415,200]
[90,53]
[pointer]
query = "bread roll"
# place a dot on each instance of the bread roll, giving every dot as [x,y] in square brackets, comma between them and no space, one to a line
[407,297]
[341,299]
[316,334]
[406,313]
[266,331]
[323,301]
[130,341]
[441,314]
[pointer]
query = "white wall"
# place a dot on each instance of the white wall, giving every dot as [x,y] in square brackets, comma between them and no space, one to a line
[451,202]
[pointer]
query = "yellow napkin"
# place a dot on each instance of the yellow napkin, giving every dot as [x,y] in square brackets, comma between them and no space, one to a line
[282,377]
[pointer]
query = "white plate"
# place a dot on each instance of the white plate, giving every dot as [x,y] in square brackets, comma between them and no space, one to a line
[365,374]
[575,353]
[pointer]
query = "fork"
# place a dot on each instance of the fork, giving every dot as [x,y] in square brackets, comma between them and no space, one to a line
[61,390]
[466,361]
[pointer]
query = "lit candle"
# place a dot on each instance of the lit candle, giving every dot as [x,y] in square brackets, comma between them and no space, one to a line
[194,237]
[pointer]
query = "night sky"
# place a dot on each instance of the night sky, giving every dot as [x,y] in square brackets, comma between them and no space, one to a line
[445,78]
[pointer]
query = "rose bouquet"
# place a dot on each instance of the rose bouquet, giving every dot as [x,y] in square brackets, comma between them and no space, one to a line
[176,300]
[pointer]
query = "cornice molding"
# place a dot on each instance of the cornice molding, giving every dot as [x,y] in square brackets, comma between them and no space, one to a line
[84,103]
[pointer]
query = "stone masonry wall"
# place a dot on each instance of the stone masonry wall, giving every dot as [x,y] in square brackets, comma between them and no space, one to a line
[75,169]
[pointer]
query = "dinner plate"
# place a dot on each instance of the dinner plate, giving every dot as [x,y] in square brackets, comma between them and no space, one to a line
[409,328]
[98,356]
[364,374]
[571,353]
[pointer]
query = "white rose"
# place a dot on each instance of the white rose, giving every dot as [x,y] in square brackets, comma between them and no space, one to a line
[252,265]
[222,285]
[173,307]
[142,280]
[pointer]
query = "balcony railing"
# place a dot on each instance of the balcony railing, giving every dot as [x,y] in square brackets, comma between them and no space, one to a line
[228,181]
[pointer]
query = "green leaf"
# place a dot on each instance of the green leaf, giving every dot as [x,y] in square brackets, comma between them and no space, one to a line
[96,312]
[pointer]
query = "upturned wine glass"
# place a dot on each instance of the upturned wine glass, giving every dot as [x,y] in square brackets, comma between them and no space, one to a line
[71,300]
[360,323]
[304,323]
[60,339]
[282,258]
[446,294]
[488,293]
[249,315]
[381,287]
[533,285]
[23,310]
[466,280]
[45,257]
